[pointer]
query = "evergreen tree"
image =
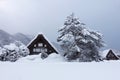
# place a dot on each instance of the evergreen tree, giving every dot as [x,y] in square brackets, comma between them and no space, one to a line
[78,42]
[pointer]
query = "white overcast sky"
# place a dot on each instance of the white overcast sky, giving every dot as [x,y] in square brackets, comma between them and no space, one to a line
[34,16]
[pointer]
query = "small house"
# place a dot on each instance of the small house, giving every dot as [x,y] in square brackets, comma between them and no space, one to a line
[111,55]
[41,44]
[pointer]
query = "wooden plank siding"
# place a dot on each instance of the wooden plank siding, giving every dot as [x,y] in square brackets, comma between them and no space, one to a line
[39,44]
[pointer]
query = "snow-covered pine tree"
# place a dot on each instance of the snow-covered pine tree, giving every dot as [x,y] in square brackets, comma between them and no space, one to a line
[78,42]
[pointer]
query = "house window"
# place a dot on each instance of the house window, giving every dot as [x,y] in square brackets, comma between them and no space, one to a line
[35,45]
[45,45]
[40,44]
[38,50]
[34,50]
[45,50]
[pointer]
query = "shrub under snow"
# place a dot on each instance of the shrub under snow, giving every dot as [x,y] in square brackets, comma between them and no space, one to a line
[13,52]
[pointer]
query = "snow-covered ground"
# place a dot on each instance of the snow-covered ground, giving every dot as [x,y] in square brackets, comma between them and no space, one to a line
[55,68]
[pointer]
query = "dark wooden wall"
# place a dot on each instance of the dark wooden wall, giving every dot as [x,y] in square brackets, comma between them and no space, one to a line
[45,45]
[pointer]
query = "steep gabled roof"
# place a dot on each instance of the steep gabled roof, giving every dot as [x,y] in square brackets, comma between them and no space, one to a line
[40,35]
[105,52]
[111,56]
[110,52]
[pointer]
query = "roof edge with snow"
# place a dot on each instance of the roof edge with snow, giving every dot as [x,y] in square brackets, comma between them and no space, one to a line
[45,39]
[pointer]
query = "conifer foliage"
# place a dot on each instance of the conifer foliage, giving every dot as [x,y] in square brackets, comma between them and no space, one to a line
[78,42]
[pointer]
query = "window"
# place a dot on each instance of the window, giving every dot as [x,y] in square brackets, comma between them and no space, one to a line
[45,45]
[45,50]
[40,44]
[38,50]
[35,45]
[34,50]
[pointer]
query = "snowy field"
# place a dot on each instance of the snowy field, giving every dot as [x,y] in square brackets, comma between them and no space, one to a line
[32,68]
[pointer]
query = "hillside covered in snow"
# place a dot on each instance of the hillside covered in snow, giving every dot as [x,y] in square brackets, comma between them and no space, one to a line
[6,38]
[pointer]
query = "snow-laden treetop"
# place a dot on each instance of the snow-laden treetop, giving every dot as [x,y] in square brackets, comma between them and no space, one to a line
[79,42]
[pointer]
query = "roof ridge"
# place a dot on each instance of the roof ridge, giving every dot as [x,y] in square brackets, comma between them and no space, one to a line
[45,39]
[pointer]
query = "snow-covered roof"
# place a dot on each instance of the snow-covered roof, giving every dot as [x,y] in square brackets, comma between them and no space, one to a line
[33,39]
[40,33]
[50,43]
[105,52]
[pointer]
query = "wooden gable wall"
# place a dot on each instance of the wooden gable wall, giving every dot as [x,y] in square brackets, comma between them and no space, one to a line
[40,44]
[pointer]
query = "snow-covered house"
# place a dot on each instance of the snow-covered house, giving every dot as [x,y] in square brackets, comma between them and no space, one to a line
[41,44]
[111,55]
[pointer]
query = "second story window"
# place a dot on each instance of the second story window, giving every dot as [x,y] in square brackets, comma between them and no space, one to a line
[40,44]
